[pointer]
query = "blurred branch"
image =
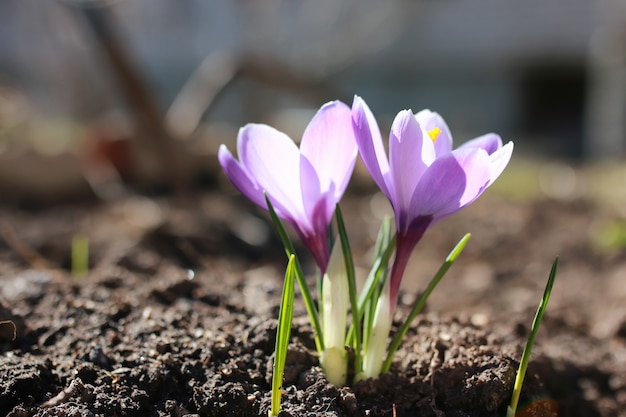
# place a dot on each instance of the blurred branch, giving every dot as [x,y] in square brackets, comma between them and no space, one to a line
[149,120]
[275,74]
[219,70]
[213,75]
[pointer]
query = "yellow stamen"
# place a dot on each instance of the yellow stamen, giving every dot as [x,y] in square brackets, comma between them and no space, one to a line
[434,133]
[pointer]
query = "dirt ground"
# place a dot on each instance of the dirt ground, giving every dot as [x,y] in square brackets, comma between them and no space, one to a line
[177,313]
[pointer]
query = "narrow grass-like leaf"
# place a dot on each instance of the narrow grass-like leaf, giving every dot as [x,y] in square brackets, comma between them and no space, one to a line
[304,289]
[521,371]
[349,261]
[384,248]
[282,335]
[320,293]
[80,255]
[421,302]
[384,236]
[319,279]
[371,289]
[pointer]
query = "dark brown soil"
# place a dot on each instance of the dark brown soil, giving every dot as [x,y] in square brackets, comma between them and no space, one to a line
[177,314]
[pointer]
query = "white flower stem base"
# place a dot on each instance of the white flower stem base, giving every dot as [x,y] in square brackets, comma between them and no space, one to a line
[335,300]
[377,344]
[334,362]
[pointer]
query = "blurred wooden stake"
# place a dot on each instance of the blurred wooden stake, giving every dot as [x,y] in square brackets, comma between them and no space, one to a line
[215,72]
[150,124]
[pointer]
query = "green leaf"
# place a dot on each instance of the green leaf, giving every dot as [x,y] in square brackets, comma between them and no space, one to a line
[80,255]
[521,371]
[304,289]
[347,256]
[282,335]
[385,246]
[421,302]
[384,236]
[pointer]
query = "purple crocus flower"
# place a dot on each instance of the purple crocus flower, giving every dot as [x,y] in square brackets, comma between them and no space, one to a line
[304,185]
[423,178]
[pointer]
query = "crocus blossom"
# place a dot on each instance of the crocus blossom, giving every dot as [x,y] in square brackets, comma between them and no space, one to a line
[304,185]
[423,178]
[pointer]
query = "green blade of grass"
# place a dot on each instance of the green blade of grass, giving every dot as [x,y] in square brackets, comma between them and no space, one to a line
[304,289]
[347,256]
[421,302]
[80,255]
[282,335]
[375,281]
[371,288]
[376,275]
[385,246]
[384,236]
[521,371]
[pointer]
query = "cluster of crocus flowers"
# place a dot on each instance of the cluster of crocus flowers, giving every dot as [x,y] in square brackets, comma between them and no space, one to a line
[422,176]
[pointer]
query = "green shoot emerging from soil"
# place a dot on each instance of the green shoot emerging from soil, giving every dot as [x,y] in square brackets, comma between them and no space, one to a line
[521,371]
[282,335]
[80,255]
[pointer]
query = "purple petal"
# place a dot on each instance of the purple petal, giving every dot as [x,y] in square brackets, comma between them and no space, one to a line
[311,190]
[409,156]
[319,207]
[331,128]
[489,142]
[437,129]
[450,183]
[316,240]
[477,167]
[239,177]
[370,144]
[273,160]
[499,160]
[313,195]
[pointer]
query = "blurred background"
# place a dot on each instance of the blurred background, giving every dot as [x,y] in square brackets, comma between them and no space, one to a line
[98,94]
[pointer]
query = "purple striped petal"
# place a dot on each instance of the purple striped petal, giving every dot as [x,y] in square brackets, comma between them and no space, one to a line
[311,189]
[477,168]
[499,161]
[239,177]
[273,159]
[319,207]
[410,154]
[451,182]
[370,144]
[489,142]
[329,144]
